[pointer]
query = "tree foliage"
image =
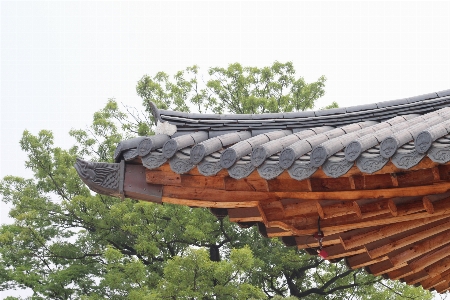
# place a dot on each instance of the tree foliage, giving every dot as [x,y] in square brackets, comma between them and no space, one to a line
[66,242]
[235,89]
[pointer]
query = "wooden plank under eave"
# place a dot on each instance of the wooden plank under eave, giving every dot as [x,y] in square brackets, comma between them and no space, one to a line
[437,188]
[405,208]
[209,204]
[386,266]
[297,207]
[246,184]
[277,232]
[416,277]
[410,237]
[288,185]
[371,209]
[420,263]
[304,242]
[164,178]
[386,231]
[338,209]
[187,180]
[372,182]
[434,206]
[431,282]
[421,248]
[363,260]
[247,214]
[330,184]
[342,226]
[430,258]
[442,287]
[216,195]
[210,194]
[210,182]
[338,251]
[438,268]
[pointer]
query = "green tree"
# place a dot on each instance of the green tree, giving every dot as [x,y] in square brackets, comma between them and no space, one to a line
[69,243]
[235,89]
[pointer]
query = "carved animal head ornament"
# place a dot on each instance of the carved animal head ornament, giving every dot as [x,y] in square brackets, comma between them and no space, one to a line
[85,169]
[103,178]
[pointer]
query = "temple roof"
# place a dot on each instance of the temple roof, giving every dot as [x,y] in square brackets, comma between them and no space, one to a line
[335,140]
[376,177]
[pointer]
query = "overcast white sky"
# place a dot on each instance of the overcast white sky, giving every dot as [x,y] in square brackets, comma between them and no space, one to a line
[61,61]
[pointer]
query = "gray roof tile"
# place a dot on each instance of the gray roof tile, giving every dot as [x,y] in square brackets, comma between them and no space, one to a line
[263,136]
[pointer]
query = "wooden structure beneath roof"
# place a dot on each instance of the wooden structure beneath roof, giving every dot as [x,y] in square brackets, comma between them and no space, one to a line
[376,177]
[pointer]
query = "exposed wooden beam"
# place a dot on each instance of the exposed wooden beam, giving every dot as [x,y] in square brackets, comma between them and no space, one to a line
[437,188]
[410,239]
[402,272]
[363,260]
[245,214]
[296,207]
[338,251]
[200,203]
[439,267]
[328,228]
[216,195]
[416,277]
[430,258]
[371,209]
[385,231]
[432,281]
[436,206]
[335,210]
[308,241]
[384,267]
[406,208]
[421,248]
[420,264]
[441,287]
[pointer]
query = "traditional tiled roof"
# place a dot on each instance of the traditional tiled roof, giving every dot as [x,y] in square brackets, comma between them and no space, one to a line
[335,140]
[375,177]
